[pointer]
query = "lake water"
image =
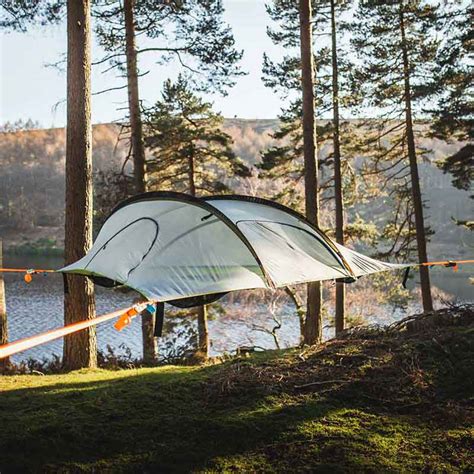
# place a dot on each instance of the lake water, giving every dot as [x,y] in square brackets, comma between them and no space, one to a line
[38,307]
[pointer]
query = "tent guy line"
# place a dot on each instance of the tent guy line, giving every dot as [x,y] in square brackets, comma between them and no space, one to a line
[163,245]
[125,316]
[444,263]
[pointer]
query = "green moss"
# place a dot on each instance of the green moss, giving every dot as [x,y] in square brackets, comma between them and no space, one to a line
[393,407]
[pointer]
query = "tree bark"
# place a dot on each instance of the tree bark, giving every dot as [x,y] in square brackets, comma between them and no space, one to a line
[313,323]
[415,179]
[203,331]
[3,314]
[80,349]
[138,147]
[136,126]
[150,351]
[338,193]
[192,183]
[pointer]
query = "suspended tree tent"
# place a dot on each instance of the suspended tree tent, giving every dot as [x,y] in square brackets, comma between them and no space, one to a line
[187,251]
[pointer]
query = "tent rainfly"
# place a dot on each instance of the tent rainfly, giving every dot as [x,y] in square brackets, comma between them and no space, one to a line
[187,251]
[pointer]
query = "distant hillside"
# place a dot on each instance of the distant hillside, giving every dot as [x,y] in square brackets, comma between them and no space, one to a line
[32,180]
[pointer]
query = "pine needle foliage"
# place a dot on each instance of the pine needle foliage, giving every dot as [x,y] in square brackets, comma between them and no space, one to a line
[283,161]
[452,81]
[189,152]
[379,81]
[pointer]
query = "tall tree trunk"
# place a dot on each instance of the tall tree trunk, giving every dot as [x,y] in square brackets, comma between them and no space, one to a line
[203,331]
[138,150]
[3,314]
[191,181]
[415,179]
[80,349]
[313,323]
[338,196]
[150,351]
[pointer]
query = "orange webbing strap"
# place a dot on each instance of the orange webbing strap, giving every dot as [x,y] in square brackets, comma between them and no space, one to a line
[125,319]
[30,342]
[445,263]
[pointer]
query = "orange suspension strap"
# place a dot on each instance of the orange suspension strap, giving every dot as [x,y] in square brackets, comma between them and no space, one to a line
[30,342]
[446,263]
[129,314]
[454,264]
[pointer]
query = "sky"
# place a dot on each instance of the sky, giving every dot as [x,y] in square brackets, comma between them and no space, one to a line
[31,89]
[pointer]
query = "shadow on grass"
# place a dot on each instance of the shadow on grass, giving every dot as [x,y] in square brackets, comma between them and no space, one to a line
[174,420]
[149,420]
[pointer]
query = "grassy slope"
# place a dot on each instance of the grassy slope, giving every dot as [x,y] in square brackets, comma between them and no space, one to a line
[387,403]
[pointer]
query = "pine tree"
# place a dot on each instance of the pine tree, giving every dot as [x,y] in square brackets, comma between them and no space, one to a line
[200,41]
[285,162]
[136,129]
[452,83]
[313,324]
[192,33]
[150,348]
[331,91]
[395,46]
[19,15]
[190,154]
[80,349]
[338,191]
